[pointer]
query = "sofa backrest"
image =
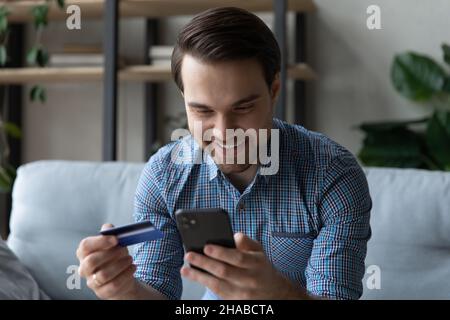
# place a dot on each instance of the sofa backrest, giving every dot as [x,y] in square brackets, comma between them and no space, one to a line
[57,203]
[410,244]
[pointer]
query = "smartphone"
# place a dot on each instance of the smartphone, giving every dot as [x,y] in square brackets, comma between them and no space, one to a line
[199,227]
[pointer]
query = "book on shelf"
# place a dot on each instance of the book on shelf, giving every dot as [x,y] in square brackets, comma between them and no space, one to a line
[160,55]
[160,52]
[76,59]
[161,62]
[80,60]
[80,55]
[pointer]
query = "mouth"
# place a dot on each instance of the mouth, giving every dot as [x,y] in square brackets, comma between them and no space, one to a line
[228,146]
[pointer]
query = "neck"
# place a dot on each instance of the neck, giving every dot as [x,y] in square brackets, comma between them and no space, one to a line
[241,180]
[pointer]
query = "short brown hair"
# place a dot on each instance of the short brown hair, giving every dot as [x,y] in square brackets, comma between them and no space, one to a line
[226,34]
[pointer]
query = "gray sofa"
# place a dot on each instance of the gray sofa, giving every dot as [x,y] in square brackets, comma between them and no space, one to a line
[57,203]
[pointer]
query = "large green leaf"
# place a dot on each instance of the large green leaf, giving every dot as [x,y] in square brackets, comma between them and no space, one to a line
[61,3]
[5,185]
[3,55]
[417,77]
[4,11]
[6,179]
[40,15]
[3,19]
[37,55]
[42,57]
[12,172]
[446,51]
[32,55]
[438,138]
[38,93]
[446,87]
[12,129]
[399,148]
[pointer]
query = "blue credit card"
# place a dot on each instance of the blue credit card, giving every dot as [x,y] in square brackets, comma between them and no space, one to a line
[134,233]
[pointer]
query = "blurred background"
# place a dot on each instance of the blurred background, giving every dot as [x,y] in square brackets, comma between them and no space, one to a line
[352,64]
[352,78]
[89,81]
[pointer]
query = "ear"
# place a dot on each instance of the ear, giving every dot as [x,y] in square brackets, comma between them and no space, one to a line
[275,89]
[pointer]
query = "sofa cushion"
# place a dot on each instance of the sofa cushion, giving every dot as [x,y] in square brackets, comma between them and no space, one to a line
[58,203]
[55,205]
[410,244]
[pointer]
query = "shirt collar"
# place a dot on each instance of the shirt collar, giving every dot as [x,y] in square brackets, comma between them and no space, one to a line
[213,169]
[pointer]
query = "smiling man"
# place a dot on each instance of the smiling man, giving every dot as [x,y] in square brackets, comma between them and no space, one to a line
[300,232]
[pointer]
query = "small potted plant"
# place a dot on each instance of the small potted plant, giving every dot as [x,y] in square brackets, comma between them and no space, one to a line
[36,56]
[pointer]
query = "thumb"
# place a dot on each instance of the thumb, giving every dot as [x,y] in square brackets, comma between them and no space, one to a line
[107,226]
[245,243]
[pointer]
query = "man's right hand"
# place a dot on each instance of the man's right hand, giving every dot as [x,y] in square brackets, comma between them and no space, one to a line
[107,267]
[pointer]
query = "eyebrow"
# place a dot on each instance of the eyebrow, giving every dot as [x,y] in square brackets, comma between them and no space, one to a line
[250,98]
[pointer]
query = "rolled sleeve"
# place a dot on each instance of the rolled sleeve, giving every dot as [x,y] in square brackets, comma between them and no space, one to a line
[336,266]
[158,262]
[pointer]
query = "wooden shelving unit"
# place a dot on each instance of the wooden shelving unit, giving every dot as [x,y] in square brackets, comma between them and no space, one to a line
[20,10]
[136,73]
[113,10]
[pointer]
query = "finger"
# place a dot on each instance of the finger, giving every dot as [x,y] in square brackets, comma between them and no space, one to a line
[95,260]
[118,285]
[234,257]
[217,268]
[245,243]
[112,270]
[96,243]
[106,226]
[218,286]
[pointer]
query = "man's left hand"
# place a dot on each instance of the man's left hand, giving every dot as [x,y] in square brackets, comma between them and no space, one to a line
[241,273]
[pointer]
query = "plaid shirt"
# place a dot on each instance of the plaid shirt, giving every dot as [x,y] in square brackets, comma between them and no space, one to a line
[311,217]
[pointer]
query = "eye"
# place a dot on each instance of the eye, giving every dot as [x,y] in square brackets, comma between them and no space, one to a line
[204,111]
[245,108]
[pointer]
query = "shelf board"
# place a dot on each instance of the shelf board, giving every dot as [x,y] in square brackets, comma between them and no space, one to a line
[74,74]
[137,73]
[21,10]
[145,73]
[30,75]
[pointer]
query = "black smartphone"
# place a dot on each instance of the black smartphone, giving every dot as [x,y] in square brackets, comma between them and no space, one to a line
[199,227]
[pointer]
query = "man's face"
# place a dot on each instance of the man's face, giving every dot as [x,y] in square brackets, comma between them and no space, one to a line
[227,95]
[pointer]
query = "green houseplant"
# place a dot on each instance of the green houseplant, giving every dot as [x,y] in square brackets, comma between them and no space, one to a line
[36,56]
[419,143]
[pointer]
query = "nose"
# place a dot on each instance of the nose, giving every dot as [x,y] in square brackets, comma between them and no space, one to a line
[220,128]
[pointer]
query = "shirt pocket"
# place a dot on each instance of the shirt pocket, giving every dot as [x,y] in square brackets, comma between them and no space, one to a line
[290,251]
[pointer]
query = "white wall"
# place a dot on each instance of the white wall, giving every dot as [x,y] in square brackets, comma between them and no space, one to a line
[352,62]
[69,124]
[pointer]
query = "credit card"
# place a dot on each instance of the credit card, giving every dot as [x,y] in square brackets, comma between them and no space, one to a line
[134,233]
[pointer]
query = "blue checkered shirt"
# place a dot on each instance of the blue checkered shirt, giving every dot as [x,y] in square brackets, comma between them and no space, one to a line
[311,217]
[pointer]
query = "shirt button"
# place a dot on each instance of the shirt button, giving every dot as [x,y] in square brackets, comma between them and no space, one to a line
[241,207]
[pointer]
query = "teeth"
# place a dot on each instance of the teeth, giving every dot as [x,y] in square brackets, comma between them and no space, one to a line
[227,146]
